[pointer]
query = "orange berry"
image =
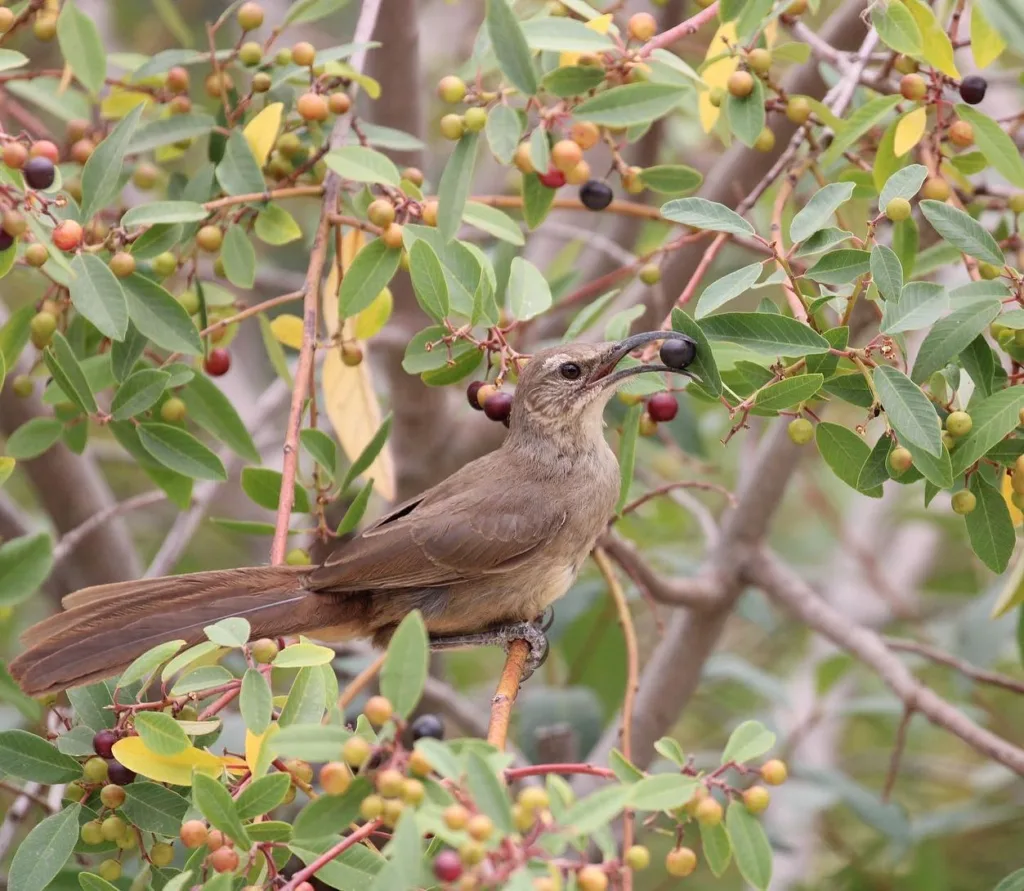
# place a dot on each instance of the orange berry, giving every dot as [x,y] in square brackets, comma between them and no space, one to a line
[67,235]
[312,107]
[566,154]
[642,26]
[585,134]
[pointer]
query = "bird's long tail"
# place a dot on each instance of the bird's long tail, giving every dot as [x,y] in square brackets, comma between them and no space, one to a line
[104,628]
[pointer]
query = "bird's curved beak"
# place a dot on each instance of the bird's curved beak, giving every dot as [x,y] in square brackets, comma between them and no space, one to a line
[606,375]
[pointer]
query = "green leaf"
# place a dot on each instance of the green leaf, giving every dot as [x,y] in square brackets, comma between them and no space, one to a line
[303,655]
[627,454]
[765,333]
[905,183]
[161,733]
[175,128]
[160,317]
[154,808]
[746,114]
[231,632]
[962,231]
[1015,880]
[101,176]
[819,210]
[909,411]
[662,792]
[81,46]
[749,740]
[331,810]
[306,699]
[43,852]
[97,294]
[844,452]
[537,200]
[952,335]
[215,803]
[564,35]
[789,391]
[238,173]
[750,845]
[494,222]
[703,365]
[875,471]
[29,757]
[371,270]
[92,705]
[994,417]
[572,80]
[489,794]
[264,795]
[990,527]
[355,511]
[164,212]
[840,267]
[703,214]
[402,872]
[148,662]
[457,180]
[139,392]
[68,373]
[510,48]
[214,412]
[14,334]
[354,868]
[239,257]
[274,225]
[404,672]
[33,438]
[263,486]
[995,143]
[322,449]
[528,291]
[256,701]
[857,124]
[504,128]
[181,452]
[597,810]
[11,59]
[716,847]
[631,104]
[886,272]
[896,27]
[306,11]
[920,304]
[363,165]
[671,179]
[368,454]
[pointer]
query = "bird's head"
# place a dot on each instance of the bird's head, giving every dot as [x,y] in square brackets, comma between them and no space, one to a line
[566,387]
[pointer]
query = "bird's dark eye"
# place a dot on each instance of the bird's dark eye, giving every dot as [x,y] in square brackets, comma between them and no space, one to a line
[570,371]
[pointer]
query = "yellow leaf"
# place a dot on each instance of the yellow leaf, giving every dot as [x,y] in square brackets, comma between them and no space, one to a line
[258,754]
[234,764]
[340,69]
[600,24]
[261,131]
[987,43]
[287,329]
[717,73]
[119,102]
[375,316]
[1015,513]
[938,51]
[174,769]
[909,131]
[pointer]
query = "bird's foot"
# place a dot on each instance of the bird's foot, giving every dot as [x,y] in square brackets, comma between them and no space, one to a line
[502,636]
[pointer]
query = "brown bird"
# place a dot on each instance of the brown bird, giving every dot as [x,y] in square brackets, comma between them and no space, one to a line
[481,554]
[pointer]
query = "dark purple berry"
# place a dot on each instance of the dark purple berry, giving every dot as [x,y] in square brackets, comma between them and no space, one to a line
[447,866]
[6,240]
[678,353]
[499,406]
[119,774]
[39,172]
[972,89]
[595,194]
[427,726]
[471,394]
[662,407]
[103,743]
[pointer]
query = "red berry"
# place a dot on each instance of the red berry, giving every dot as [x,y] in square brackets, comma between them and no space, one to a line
[218,362]
[44,149]
[662,407]
[447,866]
[553,179]
[103,743]
[499,406]
[68,235]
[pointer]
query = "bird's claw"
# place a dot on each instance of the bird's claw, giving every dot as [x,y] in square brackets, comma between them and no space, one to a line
[534,635]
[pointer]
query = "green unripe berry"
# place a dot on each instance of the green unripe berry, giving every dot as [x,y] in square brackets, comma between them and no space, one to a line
[650,274]
[759,60]
[22,386]
[637,857]
[162,854]
[95,770]
[963,502]
[716,95]
[959,423]
[898,209]
[113,828]
[801,431]
[165,264]
[109,870]
[948,440]
[74,792]
[41,328]
[173,411]
[264,650]
[250,53]
[1016,202]
[756,799]
[189,301]
[452,127]
[989,271]
[297,557]
[91,834]
[451,89]
[475,119]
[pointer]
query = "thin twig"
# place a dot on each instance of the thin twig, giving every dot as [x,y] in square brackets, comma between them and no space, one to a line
[965,668]
[505,695]
[632,682]
[677,32]
[356,686]
[70,540]
[364,831]
[897,753]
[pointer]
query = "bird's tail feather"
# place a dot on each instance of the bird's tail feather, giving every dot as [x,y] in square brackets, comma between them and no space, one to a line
[109,626]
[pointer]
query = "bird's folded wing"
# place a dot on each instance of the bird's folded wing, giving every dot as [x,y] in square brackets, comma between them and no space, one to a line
[439,543]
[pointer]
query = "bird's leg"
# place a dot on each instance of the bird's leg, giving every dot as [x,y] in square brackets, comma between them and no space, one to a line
[502,636]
